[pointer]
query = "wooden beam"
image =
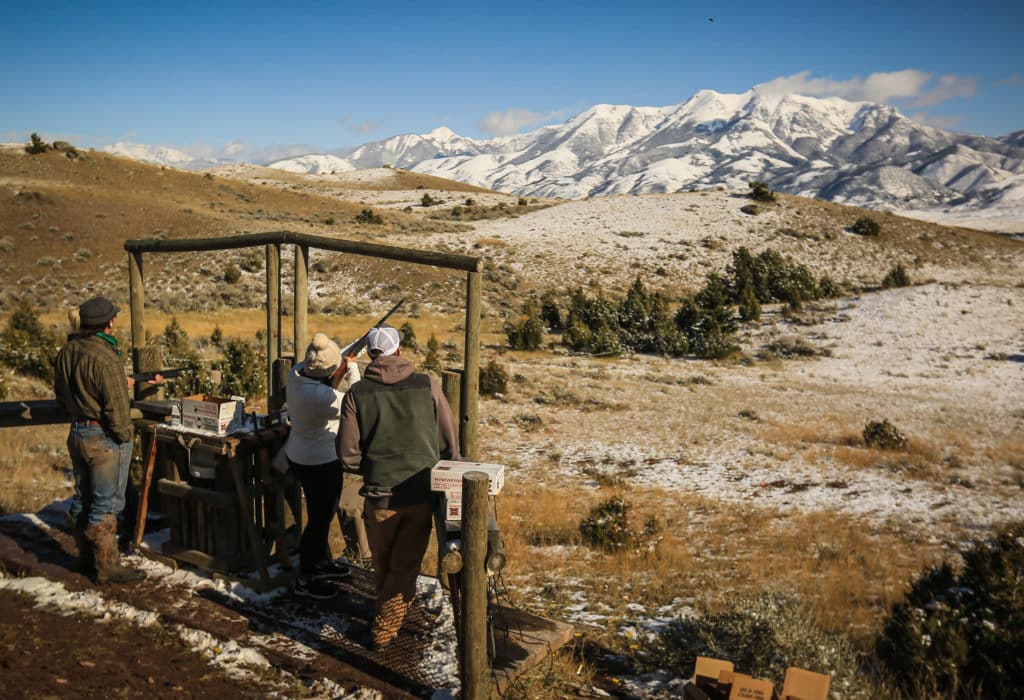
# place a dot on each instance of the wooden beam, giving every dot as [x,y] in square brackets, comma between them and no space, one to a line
[22,413]
[421,257]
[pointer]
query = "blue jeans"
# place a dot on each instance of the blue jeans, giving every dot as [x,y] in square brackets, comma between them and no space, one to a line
[100,466]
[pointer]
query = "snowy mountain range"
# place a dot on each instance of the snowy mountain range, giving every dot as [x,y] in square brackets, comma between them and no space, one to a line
[853,152]
[858,153]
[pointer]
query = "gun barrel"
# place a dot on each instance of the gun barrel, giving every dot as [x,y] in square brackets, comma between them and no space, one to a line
[359,345]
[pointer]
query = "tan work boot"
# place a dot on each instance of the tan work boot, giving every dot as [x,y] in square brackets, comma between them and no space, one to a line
[108,560]
[86,559]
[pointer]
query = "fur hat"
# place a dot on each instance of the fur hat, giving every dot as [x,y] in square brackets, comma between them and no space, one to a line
[323,357]
[382,341]
[97,312]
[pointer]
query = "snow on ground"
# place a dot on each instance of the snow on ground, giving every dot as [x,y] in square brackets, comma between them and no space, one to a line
[1004,219]
[943,363]
[238,658]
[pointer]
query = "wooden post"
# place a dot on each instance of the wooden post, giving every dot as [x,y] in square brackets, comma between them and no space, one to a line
[279,372]
[151,359]
[273,315]
[301,299]
[474,586]
[137,300]
[451,385]
[147,483]
[471,373]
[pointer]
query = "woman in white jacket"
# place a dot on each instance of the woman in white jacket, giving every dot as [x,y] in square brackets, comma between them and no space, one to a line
[314,406]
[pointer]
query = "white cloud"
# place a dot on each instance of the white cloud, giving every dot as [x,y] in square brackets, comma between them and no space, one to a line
[201,154]
[511,121]
[363,127]
[947,88]
[949,123]
[919,88]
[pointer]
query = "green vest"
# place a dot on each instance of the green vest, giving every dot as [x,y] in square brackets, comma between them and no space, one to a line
[398,437]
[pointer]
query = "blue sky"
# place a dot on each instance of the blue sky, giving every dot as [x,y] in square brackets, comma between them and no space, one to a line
[259,78]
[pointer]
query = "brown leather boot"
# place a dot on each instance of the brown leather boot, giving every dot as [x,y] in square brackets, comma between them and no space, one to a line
[86,559]
[108,560]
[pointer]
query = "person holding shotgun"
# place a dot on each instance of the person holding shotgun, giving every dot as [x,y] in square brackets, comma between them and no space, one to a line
[395,425]
[315,389]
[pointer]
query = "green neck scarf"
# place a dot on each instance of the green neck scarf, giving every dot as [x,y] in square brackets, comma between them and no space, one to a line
[112,340]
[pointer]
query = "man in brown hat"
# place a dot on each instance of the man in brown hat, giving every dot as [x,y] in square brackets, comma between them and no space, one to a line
[395,425]
[91,385]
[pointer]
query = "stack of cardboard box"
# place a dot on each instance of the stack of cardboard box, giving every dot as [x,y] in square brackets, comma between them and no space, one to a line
[715,679]
[446,477]
[214,414]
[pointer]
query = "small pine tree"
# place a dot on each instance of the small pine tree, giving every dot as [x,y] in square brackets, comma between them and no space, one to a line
[549,313]
[426,200]
[409,337]
[27,347]
[493,379]
[707,321]
[749,306]
[252,262]
[432,361]
[828,288]
[760,192]
[896,277]
[232,274]
[366,216]
[529,333]
[175,339]
[865,226]
[37,145]
[242,372]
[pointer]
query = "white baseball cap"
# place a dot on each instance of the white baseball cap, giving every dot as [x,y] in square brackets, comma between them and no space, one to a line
[382,341]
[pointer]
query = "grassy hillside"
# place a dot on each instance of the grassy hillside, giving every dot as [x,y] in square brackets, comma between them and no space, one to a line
[739,477]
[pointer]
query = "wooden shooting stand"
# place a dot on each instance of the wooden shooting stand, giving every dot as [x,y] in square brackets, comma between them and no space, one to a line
[235,520]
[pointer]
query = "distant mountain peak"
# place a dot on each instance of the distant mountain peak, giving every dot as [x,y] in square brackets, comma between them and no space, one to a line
[826,147]
[443,133]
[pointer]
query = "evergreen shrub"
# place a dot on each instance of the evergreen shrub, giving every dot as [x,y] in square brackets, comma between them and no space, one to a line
[959,632]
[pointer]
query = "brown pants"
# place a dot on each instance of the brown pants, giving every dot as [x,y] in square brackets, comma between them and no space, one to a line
[398,539]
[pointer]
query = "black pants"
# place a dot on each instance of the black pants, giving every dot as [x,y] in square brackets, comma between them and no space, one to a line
[321,484]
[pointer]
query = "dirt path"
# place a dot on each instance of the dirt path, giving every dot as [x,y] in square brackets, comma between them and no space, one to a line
[181,633]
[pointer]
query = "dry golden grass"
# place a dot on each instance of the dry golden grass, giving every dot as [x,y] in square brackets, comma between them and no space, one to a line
[35,468]
[710,552]
[588,409]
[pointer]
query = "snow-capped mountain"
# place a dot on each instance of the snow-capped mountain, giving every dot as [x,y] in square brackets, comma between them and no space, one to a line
[830,148]
[318,164]
[163,155]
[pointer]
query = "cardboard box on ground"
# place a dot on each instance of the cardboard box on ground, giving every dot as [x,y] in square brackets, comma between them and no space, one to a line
[446,477]
[215,414]
[715,679]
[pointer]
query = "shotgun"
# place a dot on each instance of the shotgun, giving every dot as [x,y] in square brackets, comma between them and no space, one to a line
[359,345]
[165,373]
